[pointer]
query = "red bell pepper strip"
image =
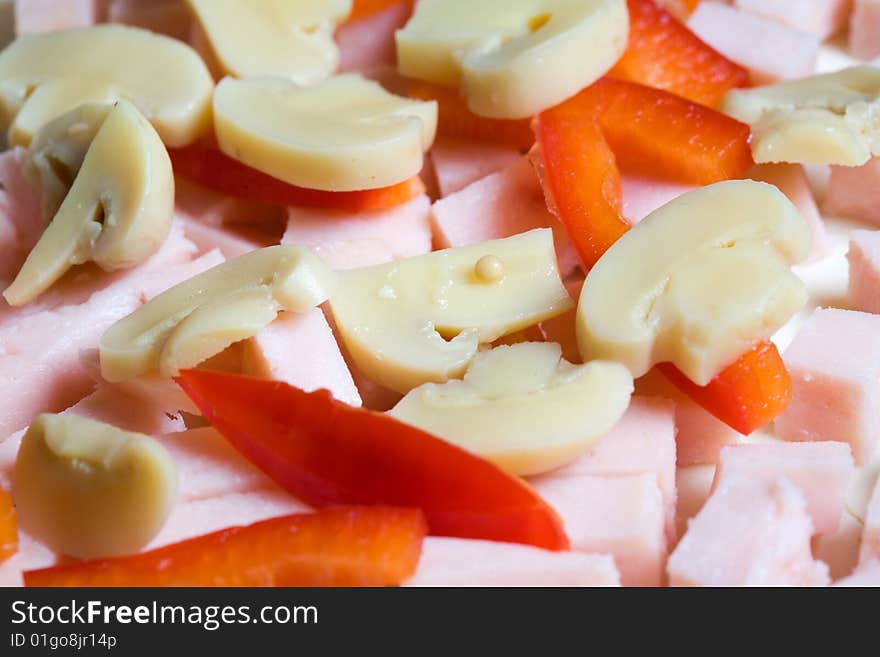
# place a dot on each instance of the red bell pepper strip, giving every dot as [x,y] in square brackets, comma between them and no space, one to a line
[456,121]
[663,53]
[8,527]
[745,395]
[364,8]
[681,9]
[327,453]
[355,546]
[211,168]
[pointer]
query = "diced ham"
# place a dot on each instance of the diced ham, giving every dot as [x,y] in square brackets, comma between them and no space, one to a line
[867,575]
[840,550]
[693,485]
[300,349]
[231,242]
[502,204]
[347,241]
[821,471]
[210,207]
[864,270]
[824,18]
[834,363]
[20,220]
[367,44]
[562,328]
[642,195]
[621,516]
[642,442]
[854,192]
[169,17]
[462,562]
[771,51]
[871,533]
[751,532]
[791,180]
[123,407]
[864,29]
[457,164]
[34,16]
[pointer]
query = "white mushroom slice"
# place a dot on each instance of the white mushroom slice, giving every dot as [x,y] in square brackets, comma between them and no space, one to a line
[273,37]
[164,78]
[696,283]
[118,209]
[87,489]
[824,119]
[344,134]
[513,58]
[422,319]
[522,407]
[198,318]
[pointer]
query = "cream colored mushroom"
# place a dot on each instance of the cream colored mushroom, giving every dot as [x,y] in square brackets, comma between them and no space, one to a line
[513,58]
[696,283]
[344,134]
[202,316]
[273,37]
[117,210]
[522,406]
[164,78]
[87,489]
[422,319]
[823,119]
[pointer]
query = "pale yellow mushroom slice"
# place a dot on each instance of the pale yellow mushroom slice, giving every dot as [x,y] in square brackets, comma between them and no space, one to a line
[198,318]
[696,283]
[513,58]
[823,119]
[163,77]
[422,319]
[118,209]
[293,40]
[522,406]
[344,134]
[88,489]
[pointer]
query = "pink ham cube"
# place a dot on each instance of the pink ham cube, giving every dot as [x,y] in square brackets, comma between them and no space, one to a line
[864,29]
[751,532]
[463,562]
[350,240]
[300,349]
[871,533]
[502,204]
[854,192]
[367,44]
[457,164]
[834,363]
[864,270]
[121,405]
[231,242]
[641,195]
[621,516]
[791,180]
[34,16]
[771,51]
[840,550]
[169,17]
[866,575]
[821,471]
[20,220]
[693,485]
[824,18]
[642,442]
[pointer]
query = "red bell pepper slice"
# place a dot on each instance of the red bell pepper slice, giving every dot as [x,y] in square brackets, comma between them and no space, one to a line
[356,546]
[326,453]
[745,395]
[8,527]
[211,168]
[662,52]
[456,121]
[364,8]
[681,9]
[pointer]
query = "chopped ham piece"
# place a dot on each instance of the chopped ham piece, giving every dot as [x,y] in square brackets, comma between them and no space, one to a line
[834,363]
[871,533]
[642,442]
[641,195]
[824,18]
[821,471]
[210,207]
[367,44]
[840,550]
[300,349]
[457,164]
[621,516]
[20,220]
[123,407]
[854,192]
[792,181]
[693,485]
[34,16]
[348,241]
[751,532]
[462,562]
[867,575]
[864,270]
[864,29]
[771,51]
[169,17]
[502,204]
[231,242]
[31,555]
